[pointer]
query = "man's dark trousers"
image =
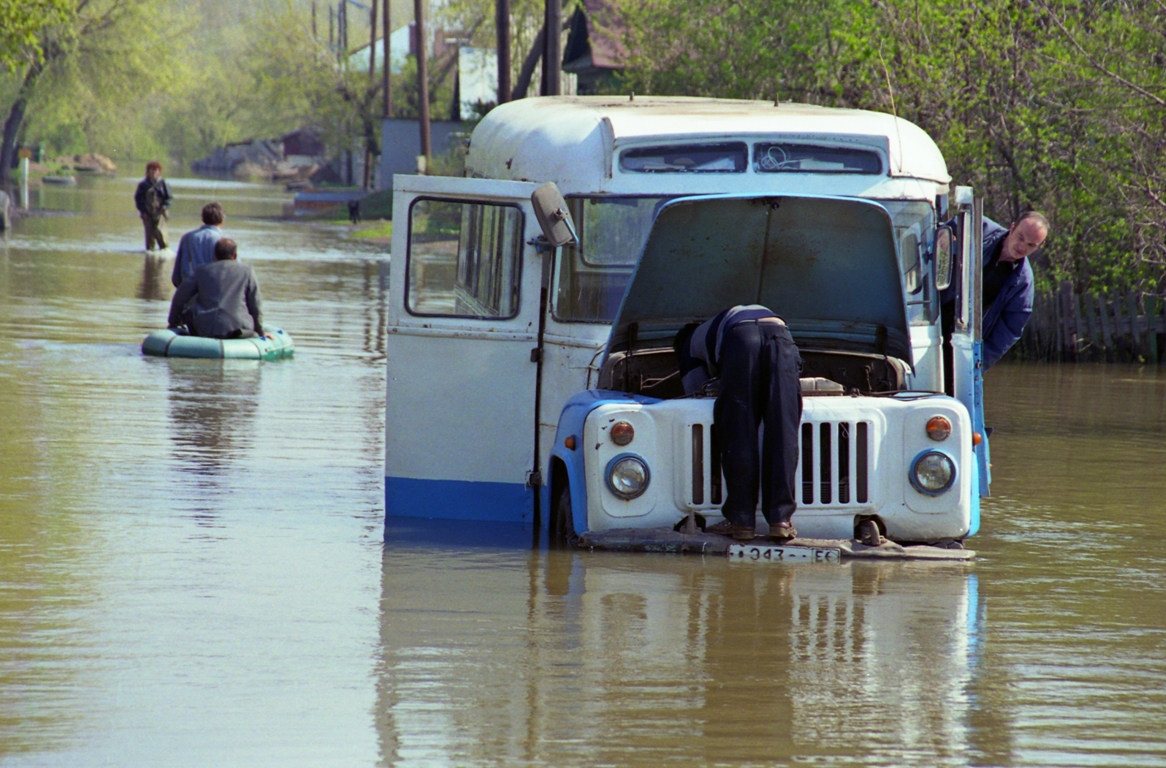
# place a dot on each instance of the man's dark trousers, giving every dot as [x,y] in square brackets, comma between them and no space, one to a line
[759,365]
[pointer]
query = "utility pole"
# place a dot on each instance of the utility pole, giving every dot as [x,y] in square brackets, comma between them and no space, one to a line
[502,23]
[372,78]
[387,31]
[342,53]
[331,29]
[315,36]
[372,44]
[553,52]
[422,81]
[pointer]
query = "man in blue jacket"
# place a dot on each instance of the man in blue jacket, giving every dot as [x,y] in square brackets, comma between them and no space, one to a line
[197,247]
[1007,287]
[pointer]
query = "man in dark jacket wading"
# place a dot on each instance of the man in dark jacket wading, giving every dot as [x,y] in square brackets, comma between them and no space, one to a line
[152,199]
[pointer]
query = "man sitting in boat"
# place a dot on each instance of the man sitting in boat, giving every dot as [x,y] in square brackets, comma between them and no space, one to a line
[221,299]
[751,351]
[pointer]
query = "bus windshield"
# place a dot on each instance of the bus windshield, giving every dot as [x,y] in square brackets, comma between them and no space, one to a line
[590,279]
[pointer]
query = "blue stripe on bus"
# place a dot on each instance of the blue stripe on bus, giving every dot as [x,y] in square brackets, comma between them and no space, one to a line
[469,534]
[974,522]
[458,500]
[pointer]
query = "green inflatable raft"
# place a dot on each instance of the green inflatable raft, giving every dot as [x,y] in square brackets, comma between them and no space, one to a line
[167,343]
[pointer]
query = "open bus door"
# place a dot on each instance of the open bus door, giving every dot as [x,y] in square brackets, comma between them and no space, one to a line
[466,308]
[966,342]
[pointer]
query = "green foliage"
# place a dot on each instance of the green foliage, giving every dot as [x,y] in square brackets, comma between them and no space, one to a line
[104,55]
[99,83]
[21,24]
[377,230]
[452,162]
[441,89]
[174,80]
[779,49]
[279,77]
[1057,106]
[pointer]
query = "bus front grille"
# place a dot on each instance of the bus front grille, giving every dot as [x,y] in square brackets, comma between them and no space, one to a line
[833,467]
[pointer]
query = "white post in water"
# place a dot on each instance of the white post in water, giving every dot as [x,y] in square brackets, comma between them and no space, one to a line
[24,183]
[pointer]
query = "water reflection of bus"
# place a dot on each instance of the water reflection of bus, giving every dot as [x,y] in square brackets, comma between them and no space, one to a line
[550,658]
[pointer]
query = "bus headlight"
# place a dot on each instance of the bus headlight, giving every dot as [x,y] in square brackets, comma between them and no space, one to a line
[627,476]
[932,473]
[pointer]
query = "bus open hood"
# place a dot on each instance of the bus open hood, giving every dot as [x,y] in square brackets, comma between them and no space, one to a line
[827,266]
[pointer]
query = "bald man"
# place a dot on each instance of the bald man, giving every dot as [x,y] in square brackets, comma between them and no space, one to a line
[1008,285]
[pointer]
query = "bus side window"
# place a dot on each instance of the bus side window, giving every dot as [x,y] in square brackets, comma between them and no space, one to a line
[464,259]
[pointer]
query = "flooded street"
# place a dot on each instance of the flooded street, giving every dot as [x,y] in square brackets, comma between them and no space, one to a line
[192,570]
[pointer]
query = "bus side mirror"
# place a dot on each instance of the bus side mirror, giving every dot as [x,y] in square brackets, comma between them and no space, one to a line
[551,211]
[944,240]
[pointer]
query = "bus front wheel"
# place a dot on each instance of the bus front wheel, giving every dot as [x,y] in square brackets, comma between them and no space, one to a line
[563,526]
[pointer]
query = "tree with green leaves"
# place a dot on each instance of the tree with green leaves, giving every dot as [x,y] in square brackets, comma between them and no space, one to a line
[1055,105]
[106,52]
[293,78]
[21,24]
[787,49]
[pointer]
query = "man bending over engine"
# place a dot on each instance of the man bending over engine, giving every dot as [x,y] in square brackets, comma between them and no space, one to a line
[751,351]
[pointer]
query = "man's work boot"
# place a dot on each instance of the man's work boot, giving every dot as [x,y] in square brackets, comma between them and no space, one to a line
[782,531]
[727,528]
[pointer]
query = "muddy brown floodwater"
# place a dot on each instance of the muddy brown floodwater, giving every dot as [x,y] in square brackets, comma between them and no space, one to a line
[192,570]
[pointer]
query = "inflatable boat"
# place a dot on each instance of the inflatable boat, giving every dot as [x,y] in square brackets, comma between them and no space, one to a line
[168,343]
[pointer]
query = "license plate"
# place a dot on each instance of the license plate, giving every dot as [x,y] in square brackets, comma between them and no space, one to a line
[776,553]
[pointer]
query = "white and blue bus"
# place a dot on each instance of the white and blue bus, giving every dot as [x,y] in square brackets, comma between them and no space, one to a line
[508,359]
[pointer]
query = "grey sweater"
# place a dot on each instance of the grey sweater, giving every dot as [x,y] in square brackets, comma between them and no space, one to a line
[225,300]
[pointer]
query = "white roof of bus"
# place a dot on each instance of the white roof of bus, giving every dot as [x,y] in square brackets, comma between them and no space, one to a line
[571,139]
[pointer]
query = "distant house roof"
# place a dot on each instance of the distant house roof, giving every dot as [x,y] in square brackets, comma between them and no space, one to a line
[595,40]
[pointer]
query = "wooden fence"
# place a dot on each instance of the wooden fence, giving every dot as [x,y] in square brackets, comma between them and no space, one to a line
[1094,327]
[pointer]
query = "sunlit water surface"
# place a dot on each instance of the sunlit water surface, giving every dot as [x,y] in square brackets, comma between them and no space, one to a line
[192,570]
